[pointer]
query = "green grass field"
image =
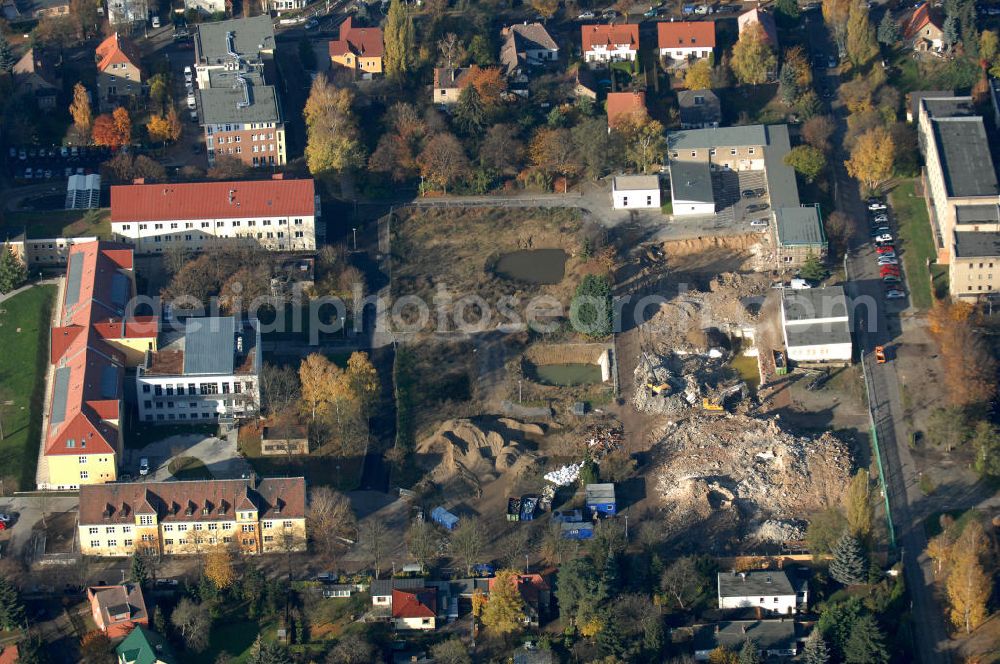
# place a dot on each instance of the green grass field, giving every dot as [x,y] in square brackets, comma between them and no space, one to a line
[58,223]
[917,241]
[24,327]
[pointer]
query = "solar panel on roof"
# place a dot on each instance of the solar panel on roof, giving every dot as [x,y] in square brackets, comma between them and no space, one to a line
[209,345]
[59,395]
[73,277]
[119,289]
[109,382]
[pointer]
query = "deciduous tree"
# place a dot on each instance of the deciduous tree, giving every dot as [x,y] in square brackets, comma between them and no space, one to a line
[333,141]
[835,14]
[489,82]
[398,38]
[816,131]
[79,109]
[423,543]
[753,58]
[13,271]
[861,45]
[352,649]
[375,539]
[699,75]
[968,585]
[682,582]
[95,648]
[547,8]
[809,162]
[871,158]
[504,611]
[501,149]
[797,60]
[553,152]
[228,167]
[363,379]
[452,651]
[123,124]
[219,567]
[442,161]
[467,543]
[330,517]
[107,133]
[644,140]
[986,446]
[858,505]
[193,622]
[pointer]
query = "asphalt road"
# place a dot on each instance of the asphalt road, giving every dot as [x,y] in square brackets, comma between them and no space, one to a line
[877,322]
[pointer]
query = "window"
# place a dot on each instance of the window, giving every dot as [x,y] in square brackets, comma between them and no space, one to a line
[286,524]
[128,542]
[227,540]
[213,526]
[198,526]
[126,529]
[146,520]
[248,527]
[268,538]
[82,459]
[191,388]
[147,537]
[70,442]
[168,542]
[145,389]
[147,404]
[95,543]
[269,524]
[110,530]
[182,527]
[158,390]
[751,150]
[426,621]
[84,475]
[168,527]
[93,531]
[112,542]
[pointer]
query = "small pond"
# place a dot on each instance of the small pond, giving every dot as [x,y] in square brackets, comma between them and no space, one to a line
[533,266]
[567,374]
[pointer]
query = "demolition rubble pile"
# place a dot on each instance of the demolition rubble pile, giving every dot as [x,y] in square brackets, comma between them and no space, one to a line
[747,473]
[601,440]
[668,385]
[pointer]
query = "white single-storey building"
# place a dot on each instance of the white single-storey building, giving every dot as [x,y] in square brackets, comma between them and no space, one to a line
[691,188]
[630,192]
[816,325]
[770,590]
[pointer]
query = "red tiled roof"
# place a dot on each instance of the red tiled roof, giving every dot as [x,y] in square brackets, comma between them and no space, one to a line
[604,35]
[420,603]
[95,371]
[213,200]
[685,34]
[140,327]
[529,585]
[8,654]
[116,50]
[365,42]
[921,16]
[125,596]
[621,104]
[274,498]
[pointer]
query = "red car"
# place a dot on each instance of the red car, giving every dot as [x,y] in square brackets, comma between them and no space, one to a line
[887,249]
[889,269]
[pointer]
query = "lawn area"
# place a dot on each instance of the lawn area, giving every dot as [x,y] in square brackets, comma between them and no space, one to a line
[24,325]
[59,223]
[917,241]
[188,468]
[233,638]
[319,469]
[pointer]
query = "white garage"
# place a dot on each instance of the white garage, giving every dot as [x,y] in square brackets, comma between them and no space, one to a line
[816,325]
[691,188]
[631,192]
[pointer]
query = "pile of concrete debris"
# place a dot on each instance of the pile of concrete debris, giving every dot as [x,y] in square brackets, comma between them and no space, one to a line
[746,473]
[669,385]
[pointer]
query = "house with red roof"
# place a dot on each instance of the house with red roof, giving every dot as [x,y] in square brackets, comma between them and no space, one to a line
[275,214]
[620,105]
[766,21]
[924,30]
[91,343]
[117,610]
[602,44]
[414,608]
[536,593]
[358,49]
[685,40]
[119,75]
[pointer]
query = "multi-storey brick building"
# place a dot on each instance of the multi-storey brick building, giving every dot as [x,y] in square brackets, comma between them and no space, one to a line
[190,517]
[275,214]
[119,75]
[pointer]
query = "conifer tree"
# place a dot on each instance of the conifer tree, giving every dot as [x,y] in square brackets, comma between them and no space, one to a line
[849,565]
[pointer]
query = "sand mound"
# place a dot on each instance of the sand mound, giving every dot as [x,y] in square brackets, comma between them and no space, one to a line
[476,452]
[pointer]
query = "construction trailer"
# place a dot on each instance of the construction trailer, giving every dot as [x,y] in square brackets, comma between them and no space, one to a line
[444,518]
[577,531]
[601,499]
[529,504]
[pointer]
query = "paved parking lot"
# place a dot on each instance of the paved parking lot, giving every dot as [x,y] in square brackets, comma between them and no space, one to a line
[31,163]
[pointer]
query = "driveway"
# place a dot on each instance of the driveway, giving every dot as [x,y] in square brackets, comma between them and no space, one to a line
[219,455]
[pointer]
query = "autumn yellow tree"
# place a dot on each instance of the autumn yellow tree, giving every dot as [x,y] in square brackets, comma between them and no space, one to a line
[219,567]
[83,116]
[968,584]
[753,60]
[158,129]
[859,505]
[553,152]
[699,75]
[797,60]
[836,13]
[968,362]
[546,8]
[871,158]
[489,82]
[315,375]
[504,610]
[363,378]
[644,140]
[123,123]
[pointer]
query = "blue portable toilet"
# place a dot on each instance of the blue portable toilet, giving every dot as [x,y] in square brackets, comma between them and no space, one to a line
[444,518]
[601,499]
[577,531]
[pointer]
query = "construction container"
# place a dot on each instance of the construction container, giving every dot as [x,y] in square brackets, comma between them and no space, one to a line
[577,531]
[601,499]
[444,518]
[528,506]
[513,509]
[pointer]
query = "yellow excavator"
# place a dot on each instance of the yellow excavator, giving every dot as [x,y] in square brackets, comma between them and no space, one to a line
[715,404]
[658,390]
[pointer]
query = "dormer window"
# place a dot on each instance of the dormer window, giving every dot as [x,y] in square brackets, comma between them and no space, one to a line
[70,442]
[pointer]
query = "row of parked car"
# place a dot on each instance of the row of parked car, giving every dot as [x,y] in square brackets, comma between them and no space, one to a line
[65,153]
[885,249]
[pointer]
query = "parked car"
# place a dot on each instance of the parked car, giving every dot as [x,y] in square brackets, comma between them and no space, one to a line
[885,260]
[887,250]
[876,205]
[651,13]
[880,230]
[166,583]
[894,294]
[27,173]
[194,115]
[884,237]
[749,193]
[760,223]
[144,466]
[757,207]
[156,21]
[191,103]
[891,279]
[587,16]
[608,14]
[312,24]
[188,74]
[889,269]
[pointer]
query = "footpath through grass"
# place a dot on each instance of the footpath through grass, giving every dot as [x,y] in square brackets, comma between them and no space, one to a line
[917,239]
[24,327]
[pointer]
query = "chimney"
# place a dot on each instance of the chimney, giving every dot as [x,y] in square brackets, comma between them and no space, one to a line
[232,196]
[139,181]
[743,628]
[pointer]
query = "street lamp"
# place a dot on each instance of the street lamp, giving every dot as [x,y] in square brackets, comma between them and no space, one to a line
[355,232]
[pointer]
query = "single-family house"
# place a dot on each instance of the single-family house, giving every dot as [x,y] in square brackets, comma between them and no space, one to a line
[773,591]
[525,46]
[358,49]
[143,646]
[632,192]
[535,592]
[448,84]
[699,109]
[924,30]
[36,72]
[602,44]
[117,609]
[414,609]
[774,638]
[621,105]
[684,40]
[766,21]
[119,76]
[816,325]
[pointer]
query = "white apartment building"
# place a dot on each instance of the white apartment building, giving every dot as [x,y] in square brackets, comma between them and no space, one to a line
[275,214]
[208,372]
